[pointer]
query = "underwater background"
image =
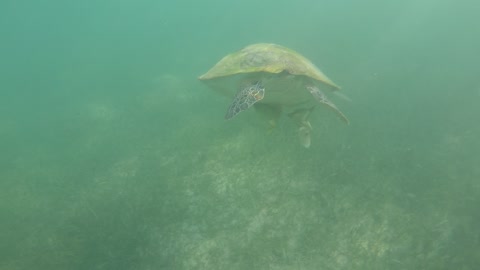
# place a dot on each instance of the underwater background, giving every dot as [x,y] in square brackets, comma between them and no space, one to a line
[114,156]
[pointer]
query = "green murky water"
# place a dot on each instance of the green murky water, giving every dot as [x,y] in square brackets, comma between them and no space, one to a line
[114,156]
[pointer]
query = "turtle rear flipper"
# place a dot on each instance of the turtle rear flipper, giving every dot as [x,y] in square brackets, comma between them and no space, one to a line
[300,117]
[245,98]
[269,112]
[322,98]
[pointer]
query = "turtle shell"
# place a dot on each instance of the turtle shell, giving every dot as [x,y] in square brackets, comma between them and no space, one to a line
[270,58]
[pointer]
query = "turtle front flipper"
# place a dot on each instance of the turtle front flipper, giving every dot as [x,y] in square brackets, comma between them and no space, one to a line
[245,98]
[322,98]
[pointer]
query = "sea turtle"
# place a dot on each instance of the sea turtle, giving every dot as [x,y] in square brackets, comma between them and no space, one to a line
[275,79]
